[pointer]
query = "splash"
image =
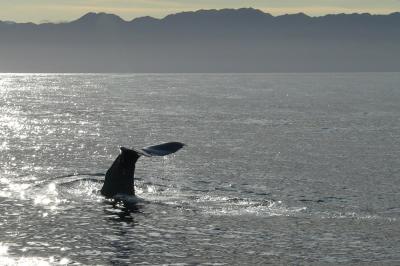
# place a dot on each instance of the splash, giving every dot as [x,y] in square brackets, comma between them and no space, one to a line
[353,215]
[214,204]
[242,206]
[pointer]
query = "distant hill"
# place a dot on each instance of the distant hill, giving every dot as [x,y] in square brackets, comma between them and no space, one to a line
[227,40]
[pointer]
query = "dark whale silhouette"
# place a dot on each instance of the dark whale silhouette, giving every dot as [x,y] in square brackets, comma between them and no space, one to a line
[119,178]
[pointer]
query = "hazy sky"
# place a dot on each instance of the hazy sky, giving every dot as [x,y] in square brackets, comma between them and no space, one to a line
[67,10]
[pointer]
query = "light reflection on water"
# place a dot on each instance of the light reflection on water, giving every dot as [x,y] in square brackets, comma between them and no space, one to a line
[278,169]
[5,259]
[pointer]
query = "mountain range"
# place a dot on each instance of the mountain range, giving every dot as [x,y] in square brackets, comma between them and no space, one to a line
[227,40]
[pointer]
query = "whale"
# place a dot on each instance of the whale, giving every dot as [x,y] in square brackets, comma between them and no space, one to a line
[120,177]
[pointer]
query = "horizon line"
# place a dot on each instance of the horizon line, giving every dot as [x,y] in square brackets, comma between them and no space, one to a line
[196,73]
[199,10]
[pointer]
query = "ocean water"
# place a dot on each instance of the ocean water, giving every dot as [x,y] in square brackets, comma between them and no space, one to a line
[278,169]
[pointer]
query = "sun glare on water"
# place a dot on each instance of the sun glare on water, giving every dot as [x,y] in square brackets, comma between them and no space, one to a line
[7,259]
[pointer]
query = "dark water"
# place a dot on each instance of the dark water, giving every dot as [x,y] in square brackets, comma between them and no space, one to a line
[278,169]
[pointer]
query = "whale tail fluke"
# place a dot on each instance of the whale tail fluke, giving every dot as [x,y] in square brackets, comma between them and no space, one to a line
[161,149]
[119,178]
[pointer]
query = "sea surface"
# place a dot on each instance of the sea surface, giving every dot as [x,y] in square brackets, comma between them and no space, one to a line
[278,169]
